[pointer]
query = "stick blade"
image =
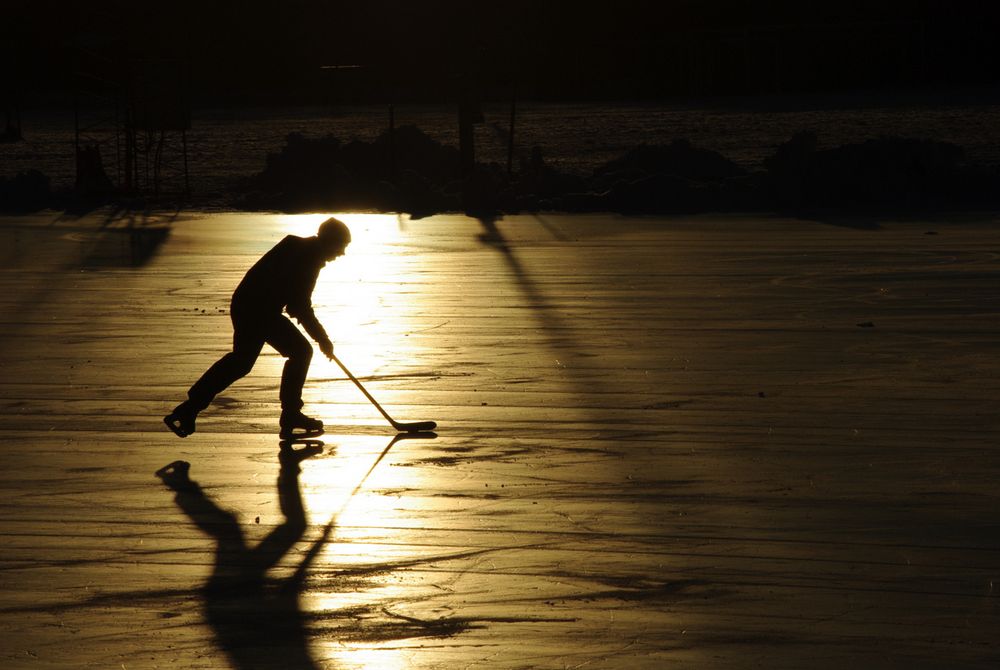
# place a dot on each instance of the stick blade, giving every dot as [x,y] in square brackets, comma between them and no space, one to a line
[417,426]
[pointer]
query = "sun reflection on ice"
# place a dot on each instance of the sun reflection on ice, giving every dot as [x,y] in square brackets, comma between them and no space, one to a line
[385,656]
[376,527]
[368,301]
[365,299]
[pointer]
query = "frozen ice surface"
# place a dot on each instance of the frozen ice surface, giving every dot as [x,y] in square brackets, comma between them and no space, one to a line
[661,442]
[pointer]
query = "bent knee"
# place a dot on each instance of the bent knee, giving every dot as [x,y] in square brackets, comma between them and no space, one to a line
[243,368]
[302,353]
[241,365]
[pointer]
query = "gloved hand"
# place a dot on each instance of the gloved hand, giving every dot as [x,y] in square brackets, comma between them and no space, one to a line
[326,346]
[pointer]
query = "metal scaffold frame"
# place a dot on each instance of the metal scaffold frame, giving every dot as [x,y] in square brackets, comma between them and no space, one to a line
[133,114]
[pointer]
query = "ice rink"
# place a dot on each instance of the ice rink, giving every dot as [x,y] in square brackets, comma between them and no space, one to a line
[699,442]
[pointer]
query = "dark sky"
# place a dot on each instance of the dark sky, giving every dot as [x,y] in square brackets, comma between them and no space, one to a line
[272,52]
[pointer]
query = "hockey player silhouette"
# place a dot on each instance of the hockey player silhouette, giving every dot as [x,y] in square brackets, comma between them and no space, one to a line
[282,280]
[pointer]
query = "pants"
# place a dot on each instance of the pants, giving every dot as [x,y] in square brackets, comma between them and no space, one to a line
[250,332]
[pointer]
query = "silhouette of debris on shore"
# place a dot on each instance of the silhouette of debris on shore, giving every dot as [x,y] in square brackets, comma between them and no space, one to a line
[675,178]
[879,174]
[417,174]
[411,173]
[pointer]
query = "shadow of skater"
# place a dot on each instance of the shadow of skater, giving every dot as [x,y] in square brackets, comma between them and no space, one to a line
[282,280]
[256,620]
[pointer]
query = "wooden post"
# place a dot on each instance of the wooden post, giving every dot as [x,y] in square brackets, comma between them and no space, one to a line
[392,141]
[466,138]
[510,135]
[187,181]
[469,113]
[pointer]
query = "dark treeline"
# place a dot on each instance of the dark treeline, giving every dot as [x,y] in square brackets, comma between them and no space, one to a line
[255,52]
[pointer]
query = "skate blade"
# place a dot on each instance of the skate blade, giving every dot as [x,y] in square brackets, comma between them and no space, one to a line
[299,433]
[305,442]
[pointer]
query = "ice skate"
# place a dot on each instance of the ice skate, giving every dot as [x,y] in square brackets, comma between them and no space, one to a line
[289,457]
[181,420]
[291,422]
[178,469]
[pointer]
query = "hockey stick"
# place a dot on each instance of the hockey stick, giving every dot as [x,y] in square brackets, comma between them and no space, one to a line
[414,427]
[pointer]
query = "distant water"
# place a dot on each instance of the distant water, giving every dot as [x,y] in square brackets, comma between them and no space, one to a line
[224,145]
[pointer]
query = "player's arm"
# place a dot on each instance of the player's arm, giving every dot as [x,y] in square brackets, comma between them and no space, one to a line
[304,314]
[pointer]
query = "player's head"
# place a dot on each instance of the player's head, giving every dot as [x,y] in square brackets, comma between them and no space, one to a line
[334,237]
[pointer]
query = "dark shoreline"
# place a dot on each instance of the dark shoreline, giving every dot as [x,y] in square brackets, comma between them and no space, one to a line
[410,172]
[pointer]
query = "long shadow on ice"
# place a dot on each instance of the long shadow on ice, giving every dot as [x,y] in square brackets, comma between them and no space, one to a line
[256,619]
